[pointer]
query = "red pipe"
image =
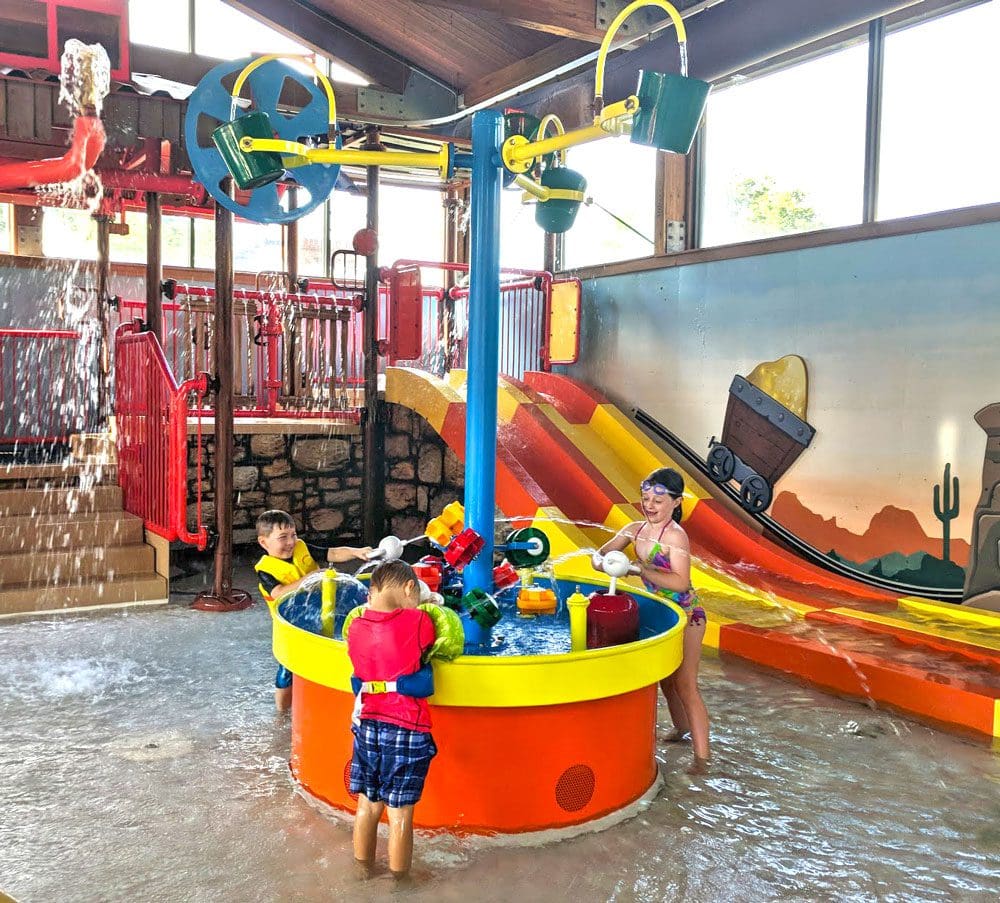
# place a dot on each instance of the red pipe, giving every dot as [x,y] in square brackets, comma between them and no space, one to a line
[87,145]
[242,294]
[151,181]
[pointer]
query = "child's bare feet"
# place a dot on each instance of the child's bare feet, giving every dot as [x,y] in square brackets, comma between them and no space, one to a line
[675,735]
[698,767]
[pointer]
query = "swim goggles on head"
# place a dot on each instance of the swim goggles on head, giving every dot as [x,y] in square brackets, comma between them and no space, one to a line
[655,488]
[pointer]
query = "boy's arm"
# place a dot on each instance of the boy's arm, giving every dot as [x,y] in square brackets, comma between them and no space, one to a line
[341,554]
[273,587]
[280,590]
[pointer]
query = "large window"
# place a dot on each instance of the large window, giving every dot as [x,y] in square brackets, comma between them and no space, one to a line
[617,223]
[147,24]
[348,213]
[223,32]
[940,131]
[312,248]
[69,233]
[522,242]
[410,224]
[218,31]
[73,234]
[785,152]
[256,248]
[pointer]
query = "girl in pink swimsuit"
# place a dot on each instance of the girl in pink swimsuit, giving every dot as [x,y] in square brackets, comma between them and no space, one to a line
[664,563]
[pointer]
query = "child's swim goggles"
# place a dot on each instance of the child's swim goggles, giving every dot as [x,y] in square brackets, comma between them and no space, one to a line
[655,488]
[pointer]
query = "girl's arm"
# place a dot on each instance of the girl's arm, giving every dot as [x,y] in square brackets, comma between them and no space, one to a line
[618,543]
[678,578]
[621,540]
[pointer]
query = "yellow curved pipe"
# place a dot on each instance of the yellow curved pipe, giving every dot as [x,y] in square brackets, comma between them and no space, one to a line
[613,30]
[267,58]
[552,119]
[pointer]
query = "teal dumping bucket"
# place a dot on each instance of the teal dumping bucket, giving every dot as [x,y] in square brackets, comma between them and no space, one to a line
[254,169]
[557,215]
[670,110]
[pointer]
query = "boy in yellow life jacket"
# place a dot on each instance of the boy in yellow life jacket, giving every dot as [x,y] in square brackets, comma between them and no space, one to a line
[286,562]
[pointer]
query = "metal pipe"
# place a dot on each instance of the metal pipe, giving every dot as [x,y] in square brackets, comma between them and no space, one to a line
[303,155]
[103,350]
[154,267]
[525,153]
[223,347]
[484,326]
[873,127]
[246,294]
[373,464]
[291,231]
[151,181]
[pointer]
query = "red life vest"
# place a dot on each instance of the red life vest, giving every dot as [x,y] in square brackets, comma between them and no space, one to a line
[385,645]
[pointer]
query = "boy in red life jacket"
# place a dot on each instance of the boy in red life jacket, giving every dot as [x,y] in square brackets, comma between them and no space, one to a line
[393,746]
[286,562]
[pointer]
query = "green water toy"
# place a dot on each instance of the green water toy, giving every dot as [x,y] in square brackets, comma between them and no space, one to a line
[449,631]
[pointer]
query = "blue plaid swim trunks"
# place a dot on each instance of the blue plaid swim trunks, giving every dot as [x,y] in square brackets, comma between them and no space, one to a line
[390,762]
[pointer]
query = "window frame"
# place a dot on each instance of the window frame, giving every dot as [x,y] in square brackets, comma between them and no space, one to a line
[875,32]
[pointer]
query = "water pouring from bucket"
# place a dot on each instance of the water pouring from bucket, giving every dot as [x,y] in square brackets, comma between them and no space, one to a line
[670,106]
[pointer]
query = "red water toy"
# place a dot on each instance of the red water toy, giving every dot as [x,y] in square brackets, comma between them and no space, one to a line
[504,575]
[612,619]
[463,548]
[429,572]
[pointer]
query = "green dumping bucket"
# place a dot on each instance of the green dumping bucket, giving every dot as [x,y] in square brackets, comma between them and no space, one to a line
[557,215]
[670,108]
[517,122]
[248,170]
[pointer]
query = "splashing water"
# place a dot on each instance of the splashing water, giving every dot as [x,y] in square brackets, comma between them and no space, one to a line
[583,524]
[85,78]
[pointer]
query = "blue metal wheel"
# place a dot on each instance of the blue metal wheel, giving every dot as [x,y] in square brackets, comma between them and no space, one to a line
[209,106]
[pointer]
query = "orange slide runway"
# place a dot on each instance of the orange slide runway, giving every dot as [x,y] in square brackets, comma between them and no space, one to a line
[566,453]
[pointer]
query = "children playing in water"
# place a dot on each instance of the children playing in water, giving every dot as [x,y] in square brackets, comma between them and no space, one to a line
[663,556]
[286,562]
[387,640]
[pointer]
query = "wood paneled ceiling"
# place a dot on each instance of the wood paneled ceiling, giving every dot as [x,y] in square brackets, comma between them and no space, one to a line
[476,47]
[459,47]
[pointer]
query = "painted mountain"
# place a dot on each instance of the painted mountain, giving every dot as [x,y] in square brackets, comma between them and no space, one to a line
[894,545]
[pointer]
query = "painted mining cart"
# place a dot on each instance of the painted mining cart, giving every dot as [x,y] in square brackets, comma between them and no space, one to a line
[761,436]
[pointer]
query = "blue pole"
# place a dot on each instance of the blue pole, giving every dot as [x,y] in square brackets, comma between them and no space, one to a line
[484,330]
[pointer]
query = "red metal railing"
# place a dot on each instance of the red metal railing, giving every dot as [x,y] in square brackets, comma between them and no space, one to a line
[48,385]
[296,355]
[151,413]
[525,319]
[300,355]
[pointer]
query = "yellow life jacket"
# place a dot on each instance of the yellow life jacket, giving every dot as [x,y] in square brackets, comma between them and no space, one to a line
[286,571]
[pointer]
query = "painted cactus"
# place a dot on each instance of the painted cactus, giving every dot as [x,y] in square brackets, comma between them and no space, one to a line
[947,512]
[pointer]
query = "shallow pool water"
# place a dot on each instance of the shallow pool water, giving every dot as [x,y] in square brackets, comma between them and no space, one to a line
[141,759]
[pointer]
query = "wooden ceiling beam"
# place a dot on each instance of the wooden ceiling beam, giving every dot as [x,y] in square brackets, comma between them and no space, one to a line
[540,63]
[565,18]
[310,26]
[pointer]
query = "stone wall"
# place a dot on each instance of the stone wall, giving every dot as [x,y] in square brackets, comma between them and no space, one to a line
[317,480]
[422,473]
